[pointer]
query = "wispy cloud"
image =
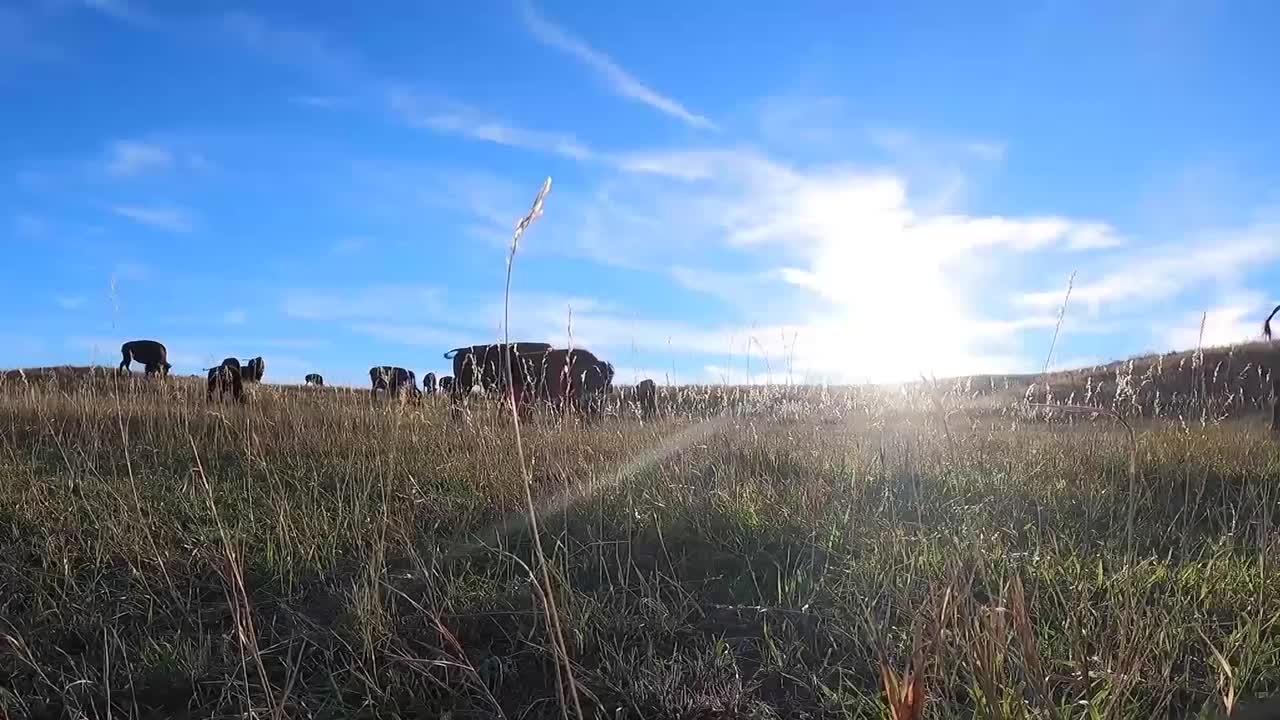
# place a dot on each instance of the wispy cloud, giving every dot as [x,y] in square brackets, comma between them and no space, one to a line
[620,81]
[128,158]
[327,102]
[303,48]
[170,219]
[456,119]
[131,271]
[20,40]
[1155,274]
[379,303]
[122,10]
[1234,320]
[413,334]
[350,245]
[70,302]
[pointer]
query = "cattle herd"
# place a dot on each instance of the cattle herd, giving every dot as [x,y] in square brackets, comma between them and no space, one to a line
[526,372]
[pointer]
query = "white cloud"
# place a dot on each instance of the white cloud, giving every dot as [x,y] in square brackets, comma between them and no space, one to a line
[70,302]
[120,10]
[381,303]
[128,158]
[171,219]
[30,226]
[620,81]
[132,271]
[326,102]
[1235,320]
[456,119]
[306,49]
[350,245]
[1158,273]
[416,335]
[861,280]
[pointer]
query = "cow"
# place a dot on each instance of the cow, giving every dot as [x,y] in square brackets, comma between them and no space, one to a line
[484,365]
[225,378]
[429,383]
[153,356]
[314,379]
[573,379]
[446,384]
[391,380]
[253,370]
[647,396]
[1266,325]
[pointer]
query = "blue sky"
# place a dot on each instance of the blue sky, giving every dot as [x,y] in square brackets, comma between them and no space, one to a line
[747,191]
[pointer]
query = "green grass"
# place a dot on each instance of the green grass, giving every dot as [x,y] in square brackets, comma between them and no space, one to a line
[757,553]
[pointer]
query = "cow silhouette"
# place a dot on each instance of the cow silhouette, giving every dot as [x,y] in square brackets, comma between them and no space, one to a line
[391,380]
[224,379]
[647,397]
[152,354]
[314,379]
[486,365]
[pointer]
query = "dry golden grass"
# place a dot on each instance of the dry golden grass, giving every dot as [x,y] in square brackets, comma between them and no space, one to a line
[757,552]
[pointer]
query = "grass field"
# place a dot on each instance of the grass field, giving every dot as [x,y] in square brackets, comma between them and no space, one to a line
[774,552]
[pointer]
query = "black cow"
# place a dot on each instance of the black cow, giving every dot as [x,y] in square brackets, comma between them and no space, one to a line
[391,380]
[484,365]
[225,378]
[429,383]
[446,384]
[253,370]
[153,356]
[1266,325]
[314,379]
[565,378]
[647,396]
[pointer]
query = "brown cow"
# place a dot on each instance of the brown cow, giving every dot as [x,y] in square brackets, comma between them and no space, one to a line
[391,380]
[225,378]
[253,370]
[647,396]
[483,365]
[574,379]
[1266,325]
[153,356]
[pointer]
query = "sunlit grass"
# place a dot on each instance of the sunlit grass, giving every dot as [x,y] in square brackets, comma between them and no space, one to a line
[756,552]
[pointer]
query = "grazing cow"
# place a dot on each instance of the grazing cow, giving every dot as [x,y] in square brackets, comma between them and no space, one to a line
[446,384]
[153,356]
[647,396]
[253,370]
[574,379]
[429,383]
[225,378]
[484,365]
[1266,325]
[314,379]
[391,380]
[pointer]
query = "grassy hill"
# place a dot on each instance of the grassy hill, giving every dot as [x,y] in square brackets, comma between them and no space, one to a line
[755,552]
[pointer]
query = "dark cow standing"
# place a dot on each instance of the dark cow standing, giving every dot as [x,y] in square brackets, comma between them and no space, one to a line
[647,396]
[253,370]
[429,383]
[225,378]
[153,356]
[446,384]
[391,380]
[314,379]
[573,379]
[485,365]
